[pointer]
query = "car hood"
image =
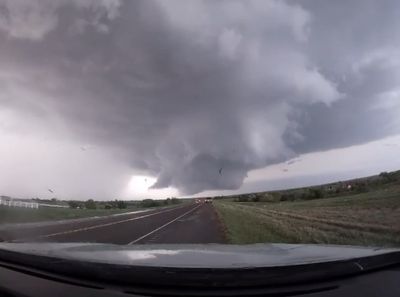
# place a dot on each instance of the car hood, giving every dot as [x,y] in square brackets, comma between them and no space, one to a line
[199,256]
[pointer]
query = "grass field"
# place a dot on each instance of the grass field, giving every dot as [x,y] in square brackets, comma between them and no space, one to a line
[25,215]
[371,218]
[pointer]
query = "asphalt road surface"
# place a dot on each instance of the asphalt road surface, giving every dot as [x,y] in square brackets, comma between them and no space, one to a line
[194,223]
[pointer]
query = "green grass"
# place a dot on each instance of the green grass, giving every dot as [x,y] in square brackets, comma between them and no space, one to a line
[244,226]
[25,215]
[371,218]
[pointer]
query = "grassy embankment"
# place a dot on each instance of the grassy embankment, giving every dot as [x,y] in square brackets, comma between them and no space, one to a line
[371,218]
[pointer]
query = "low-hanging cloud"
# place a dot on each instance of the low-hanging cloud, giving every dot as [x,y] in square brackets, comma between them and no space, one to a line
[183,89]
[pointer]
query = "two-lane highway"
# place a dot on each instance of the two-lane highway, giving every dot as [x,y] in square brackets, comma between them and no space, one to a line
[190,223]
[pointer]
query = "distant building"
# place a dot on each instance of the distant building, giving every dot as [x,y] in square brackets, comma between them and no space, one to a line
[10,202]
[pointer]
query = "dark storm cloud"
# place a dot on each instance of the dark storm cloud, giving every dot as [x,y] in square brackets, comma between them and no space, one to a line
[354,45]
[182,89]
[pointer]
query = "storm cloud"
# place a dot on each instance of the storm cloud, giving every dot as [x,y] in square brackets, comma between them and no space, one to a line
[182,89]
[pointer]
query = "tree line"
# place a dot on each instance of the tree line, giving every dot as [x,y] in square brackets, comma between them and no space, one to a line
[121,204]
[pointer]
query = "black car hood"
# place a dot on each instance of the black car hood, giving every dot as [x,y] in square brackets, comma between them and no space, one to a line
[199,256]
[195,270]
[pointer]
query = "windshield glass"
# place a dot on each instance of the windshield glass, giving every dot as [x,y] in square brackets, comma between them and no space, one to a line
[196,122]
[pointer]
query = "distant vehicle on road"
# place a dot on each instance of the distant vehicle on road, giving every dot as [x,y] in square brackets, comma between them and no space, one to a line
[208,200]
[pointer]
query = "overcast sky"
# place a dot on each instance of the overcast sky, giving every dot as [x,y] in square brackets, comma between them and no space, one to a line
[106,98]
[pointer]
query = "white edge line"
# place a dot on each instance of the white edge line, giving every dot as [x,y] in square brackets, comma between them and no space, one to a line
[33,225]
[163,226]
[103,225]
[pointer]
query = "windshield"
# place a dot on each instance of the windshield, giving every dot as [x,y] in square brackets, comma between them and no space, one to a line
[200,122]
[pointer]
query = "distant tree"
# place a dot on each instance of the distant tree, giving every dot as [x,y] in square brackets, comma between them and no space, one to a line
[384,174]
[107,206]
[277,196]
[175,200]
[284,197]
[313,194]
[150,203]
[305,196]
[121,204]
[317,193]
[114,204]
[388,177]
[90,204]
[268,197]
[73,204]
[243,198]
[361,188]
[288,197]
